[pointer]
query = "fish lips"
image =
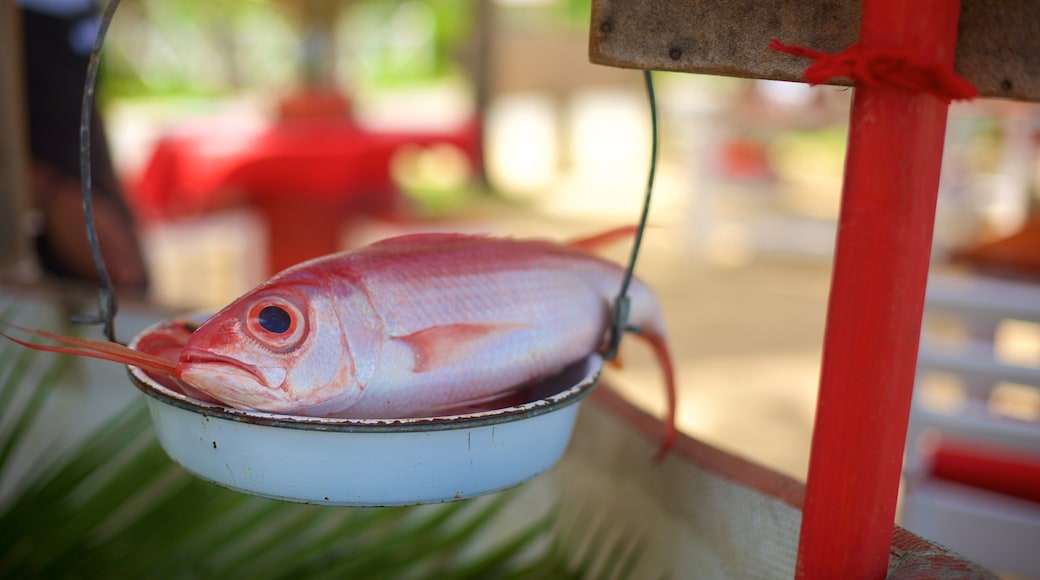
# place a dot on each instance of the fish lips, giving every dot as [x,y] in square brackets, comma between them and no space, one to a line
[231,380]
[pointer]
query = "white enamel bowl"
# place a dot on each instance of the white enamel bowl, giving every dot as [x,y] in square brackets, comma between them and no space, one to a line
[370,462]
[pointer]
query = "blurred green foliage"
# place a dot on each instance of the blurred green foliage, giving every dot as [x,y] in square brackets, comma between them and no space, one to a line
[114,506]
[214,47]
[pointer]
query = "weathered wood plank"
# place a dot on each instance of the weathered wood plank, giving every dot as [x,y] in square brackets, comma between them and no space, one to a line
[998,46]
[14,246]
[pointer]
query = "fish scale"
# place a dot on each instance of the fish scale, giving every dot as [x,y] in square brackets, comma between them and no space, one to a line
[562,295]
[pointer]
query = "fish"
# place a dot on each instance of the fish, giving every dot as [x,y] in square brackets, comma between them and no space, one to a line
[409,326]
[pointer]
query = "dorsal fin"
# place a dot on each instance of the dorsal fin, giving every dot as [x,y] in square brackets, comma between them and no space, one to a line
[597,241]
[428,237]
[589,244]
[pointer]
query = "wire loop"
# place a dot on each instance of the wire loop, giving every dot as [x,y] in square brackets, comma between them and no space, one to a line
[619,313]
[107,305]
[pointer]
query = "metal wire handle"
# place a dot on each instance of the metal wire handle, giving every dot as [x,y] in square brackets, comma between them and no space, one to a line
[619,323]
[107,305]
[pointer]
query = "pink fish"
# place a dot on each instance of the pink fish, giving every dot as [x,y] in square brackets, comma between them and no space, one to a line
[409,326]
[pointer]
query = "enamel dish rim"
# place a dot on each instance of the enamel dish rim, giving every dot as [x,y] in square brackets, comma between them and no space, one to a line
[419,460]
[550,403]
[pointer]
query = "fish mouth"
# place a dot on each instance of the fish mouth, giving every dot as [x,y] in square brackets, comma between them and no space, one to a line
[192,356]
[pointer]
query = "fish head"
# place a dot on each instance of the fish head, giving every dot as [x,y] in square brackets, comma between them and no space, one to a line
[280,348]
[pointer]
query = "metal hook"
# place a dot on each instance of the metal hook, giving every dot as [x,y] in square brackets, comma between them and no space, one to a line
[619,314]
[107,305]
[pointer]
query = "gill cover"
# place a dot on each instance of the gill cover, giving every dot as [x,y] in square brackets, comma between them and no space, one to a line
[305,345]
[330,368]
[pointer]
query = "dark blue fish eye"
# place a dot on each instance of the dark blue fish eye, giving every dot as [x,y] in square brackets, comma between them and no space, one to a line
[274,319]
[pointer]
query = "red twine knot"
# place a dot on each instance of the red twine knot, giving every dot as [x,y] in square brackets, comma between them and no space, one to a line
[882,67]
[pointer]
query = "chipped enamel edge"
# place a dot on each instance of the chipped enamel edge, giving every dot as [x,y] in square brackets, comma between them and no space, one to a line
[589,376]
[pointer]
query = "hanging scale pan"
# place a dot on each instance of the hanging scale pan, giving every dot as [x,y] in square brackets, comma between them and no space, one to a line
[356,462]
[367,462]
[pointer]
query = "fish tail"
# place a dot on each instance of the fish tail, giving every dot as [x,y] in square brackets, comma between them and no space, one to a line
[597,241]
[664,359]
[109,351]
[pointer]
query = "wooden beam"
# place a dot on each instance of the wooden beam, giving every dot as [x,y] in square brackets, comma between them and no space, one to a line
[997,48]
[13,144]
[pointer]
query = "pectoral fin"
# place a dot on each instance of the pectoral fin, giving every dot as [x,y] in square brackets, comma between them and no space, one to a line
[440,346]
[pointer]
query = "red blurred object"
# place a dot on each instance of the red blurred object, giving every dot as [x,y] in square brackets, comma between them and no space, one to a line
[745,159]
[306,173]
[1001,471]
[1014,256]
[314,102]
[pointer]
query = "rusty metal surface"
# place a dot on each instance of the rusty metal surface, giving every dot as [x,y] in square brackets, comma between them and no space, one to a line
[998,45]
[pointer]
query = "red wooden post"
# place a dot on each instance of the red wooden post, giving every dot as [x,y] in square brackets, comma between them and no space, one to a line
[877,296]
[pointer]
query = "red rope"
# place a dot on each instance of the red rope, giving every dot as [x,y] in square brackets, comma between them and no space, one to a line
[881,67]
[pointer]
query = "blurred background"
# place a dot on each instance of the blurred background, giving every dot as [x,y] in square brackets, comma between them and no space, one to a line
[249,135]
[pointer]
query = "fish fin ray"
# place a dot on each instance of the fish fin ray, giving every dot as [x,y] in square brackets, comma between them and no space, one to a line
[440,346]
[618,362]
[588,244]
[428,237]
[596,241]
[664,359]
[94,349]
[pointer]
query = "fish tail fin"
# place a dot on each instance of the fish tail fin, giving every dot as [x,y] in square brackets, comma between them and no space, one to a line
[664,359]
[596,241]
[618,362]
[109,351]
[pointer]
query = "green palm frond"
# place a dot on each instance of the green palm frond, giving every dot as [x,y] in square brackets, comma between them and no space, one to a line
[116,507]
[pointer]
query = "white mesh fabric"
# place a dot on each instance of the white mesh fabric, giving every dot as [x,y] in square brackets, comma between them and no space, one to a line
[689,521]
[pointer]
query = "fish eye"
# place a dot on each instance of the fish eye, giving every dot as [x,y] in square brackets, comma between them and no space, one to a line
[276,323]
[274,319]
